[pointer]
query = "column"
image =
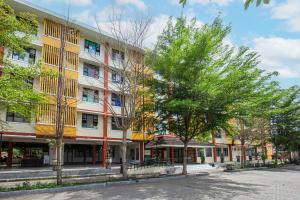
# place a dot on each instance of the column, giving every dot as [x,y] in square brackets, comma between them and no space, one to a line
[196,154]
[171,154]
[94,154]
[10,155]
[142,155]
[245,157]
[230,152]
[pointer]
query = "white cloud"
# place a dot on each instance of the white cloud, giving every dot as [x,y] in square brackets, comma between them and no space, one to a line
[279,54]
[205,2]
[71,2]
[289,11]
[137,3]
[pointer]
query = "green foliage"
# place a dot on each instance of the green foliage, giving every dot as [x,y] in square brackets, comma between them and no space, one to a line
[258,2]
[286,120]
[16,29]
[16,93]
[202,82]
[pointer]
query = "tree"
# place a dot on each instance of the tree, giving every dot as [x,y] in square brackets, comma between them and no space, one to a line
[202,83]
[285,120]
[16,93]
[246,4]
[128,66]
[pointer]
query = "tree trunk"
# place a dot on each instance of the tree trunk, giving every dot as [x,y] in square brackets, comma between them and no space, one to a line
[184,163]
[124,150]
[264,154]
[242,153]
[276,155]
[58,166]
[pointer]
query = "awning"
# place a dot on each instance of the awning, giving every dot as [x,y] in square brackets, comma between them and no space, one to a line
[173,141]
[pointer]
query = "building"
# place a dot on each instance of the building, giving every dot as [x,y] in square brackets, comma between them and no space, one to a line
[90,132]
[220,149]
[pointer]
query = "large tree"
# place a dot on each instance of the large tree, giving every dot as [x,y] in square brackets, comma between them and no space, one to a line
[16,93]
[201,81]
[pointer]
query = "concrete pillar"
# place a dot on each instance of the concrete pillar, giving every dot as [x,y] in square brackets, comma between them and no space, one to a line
[142,154]
[230,152]
[245,156]
[104,153]
[171,154]
[94,154]
[9,154]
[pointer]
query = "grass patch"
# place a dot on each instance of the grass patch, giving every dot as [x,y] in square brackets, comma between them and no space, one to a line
[27,186]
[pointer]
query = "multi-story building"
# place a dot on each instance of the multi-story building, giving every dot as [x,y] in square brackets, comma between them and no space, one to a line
[90,132]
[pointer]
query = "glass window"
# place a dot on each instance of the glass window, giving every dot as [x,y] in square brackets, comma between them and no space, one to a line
[115,100]
[117,55]
[28,56]
[91,47]
[15,117]
[208,152]
[91,70]
[89,95]
[116,78]
[225,151]
[114,125]
[219,150]
[89,121]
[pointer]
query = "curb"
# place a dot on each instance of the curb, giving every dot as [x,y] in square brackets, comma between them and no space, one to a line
[97,185]
[246,169]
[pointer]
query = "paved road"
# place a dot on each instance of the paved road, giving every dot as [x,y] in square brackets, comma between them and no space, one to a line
[275,184]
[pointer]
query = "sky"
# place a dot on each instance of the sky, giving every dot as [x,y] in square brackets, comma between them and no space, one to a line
[271,30]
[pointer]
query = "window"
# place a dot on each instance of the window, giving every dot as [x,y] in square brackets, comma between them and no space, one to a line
[200,152]
[28,56]
[208,152]
[15,117]
[219,150]
[218,134]
[89,121]
[91,47]
[116,78]
[91,70]
[225,151]
[115,100]
[89,95]
[114,125]
[117,55]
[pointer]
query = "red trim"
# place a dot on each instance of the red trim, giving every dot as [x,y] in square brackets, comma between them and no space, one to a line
[18,133]
[230,152]
[171,154]
[141,151]
[89,137]
[245,157]
[86,110]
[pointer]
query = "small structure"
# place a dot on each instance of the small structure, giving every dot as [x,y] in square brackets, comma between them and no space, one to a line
[170,148]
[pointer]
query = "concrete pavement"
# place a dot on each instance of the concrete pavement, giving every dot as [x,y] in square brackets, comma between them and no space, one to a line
[275,184]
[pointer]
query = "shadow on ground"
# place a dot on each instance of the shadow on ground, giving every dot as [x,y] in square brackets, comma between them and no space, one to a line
[194,187]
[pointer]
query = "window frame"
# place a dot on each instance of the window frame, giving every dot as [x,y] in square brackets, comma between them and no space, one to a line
[114,125]
[94,96]
[15,116]
[117,55]
[92,47]
[116,100]
[94,68]
[208,152]
[88,117]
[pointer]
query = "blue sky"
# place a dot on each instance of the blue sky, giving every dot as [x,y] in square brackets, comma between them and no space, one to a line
[273,30]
